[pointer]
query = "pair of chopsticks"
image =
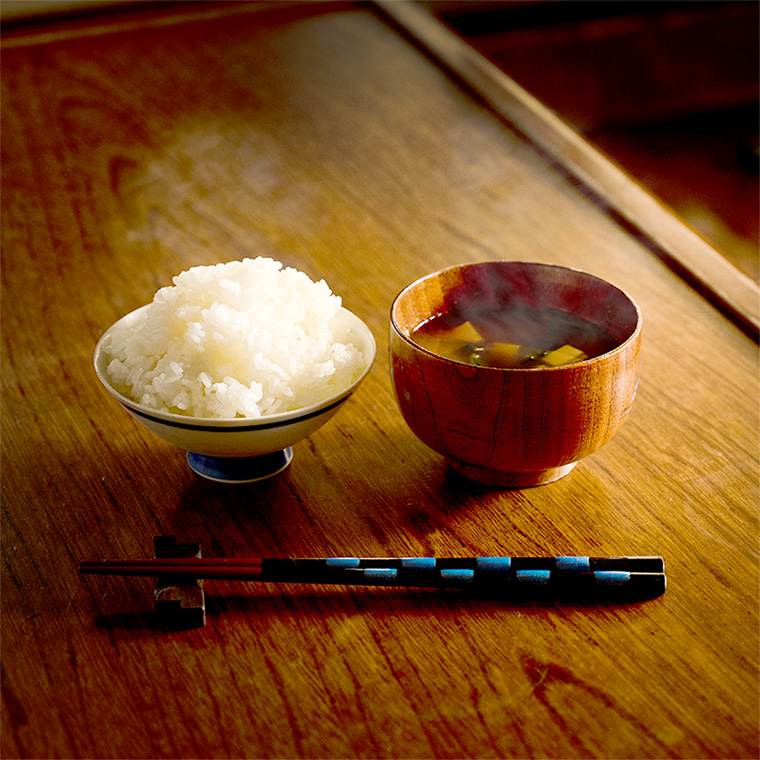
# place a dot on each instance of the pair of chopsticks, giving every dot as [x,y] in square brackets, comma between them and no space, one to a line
[574,576]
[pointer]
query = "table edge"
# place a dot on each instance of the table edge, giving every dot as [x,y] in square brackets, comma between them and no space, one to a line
[735,295]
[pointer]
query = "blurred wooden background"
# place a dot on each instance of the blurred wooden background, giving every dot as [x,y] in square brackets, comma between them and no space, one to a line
[669,90]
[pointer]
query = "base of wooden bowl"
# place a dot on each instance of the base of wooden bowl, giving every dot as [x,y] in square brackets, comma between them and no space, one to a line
[511,479]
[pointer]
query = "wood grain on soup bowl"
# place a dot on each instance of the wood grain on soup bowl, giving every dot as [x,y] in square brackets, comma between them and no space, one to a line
[524,423]
[242,449]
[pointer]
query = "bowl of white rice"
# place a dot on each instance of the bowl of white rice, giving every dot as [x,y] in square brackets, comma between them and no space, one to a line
[235,363]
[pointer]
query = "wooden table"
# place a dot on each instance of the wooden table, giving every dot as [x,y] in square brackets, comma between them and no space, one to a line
[135,146]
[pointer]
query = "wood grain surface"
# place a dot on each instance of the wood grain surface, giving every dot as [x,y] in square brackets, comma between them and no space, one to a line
[319,135]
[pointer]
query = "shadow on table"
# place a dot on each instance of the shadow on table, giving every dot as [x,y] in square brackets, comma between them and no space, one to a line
[269,602]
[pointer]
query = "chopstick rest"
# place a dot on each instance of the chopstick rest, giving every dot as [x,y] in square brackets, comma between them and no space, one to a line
[638,577]
[180,601]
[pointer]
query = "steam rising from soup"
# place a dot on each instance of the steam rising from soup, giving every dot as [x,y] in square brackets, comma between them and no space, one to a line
[513,337]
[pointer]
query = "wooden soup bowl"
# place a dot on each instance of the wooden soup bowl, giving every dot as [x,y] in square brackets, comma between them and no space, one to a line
[514,427]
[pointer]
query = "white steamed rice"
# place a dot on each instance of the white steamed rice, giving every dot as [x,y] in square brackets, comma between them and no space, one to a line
[242,339]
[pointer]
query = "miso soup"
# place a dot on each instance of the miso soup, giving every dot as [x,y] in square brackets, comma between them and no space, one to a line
[514,337]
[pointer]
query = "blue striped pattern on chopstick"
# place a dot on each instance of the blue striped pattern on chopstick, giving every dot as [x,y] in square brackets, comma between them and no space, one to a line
[491,571]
